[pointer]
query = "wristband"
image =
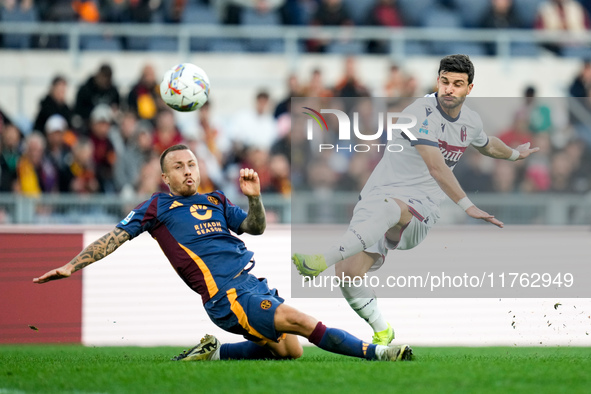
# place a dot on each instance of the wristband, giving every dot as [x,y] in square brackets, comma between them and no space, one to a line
[514,156]
[465,203]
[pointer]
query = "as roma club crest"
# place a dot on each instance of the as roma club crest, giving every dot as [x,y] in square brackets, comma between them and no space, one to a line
[213,200]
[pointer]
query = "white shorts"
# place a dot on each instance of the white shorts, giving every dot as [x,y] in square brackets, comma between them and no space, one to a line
[425,214]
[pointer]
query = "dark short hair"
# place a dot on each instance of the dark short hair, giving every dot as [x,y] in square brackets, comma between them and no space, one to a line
[58,79]
[106,70]
[263,94]
[457,64]
[171,149]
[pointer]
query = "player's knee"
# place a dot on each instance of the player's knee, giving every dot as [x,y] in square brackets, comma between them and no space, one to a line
[295,351]
[289,348]
[393,209]
[404,212]
[389,214]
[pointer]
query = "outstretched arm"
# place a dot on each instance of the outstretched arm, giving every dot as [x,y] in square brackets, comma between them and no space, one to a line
[449,184]
[97,250]
[497,149]
[255,222]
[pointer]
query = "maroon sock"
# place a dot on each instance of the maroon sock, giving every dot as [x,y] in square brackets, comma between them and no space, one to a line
[317,334]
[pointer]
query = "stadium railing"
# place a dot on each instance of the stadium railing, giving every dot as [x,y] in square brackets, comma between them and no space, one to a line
[303,207]
[99,208]
[292,37]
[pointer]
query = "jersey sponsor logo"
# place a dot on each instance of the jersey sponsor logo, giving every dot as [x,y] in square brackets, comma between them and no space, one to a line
[201,212]
[127,218]
[428,111]
[213,200]
[208,227]
[266,304]
[463,134]
[424,127]
[175,204]
[451,153]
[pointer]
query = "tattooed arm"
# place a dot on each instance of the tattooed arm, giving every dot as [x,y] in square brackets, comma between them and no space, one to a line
[255,222]
[97,250]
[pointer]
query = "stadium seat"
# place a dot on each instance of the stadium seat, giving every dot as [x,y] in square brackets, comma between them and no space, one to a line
[251,17]
[527,10]
[163,44]
[465,48]
[157,17]
[17,41]
[137,43]
[345,48]
[101,44]
[416,48]
[524,49]
[226,45]
[199,14]
[471,11]
[442,18]
[359,10]
[413,11]
[273,45]
[582,52]
[438,17]
[200,44]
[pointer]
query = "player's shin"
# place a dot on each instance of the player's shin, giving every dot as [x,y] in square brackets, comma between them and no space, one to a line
[244,351]
[364,302]
[341,342]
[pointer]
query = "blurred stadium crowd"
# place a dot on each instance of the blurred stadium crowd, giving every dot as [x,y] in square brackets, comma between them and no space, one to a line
[106,142]
[550,15]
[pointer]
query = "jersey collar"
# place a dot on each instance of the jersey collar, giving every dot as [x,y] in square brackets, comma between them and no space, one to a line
[444,114]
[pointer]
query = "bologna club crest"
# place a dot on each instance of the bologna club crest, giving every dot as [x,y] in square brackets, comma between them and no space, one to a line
[463,134]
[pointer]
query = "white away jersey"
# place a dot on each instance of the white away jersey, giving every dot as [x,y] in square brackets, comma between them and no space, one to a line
[405,172]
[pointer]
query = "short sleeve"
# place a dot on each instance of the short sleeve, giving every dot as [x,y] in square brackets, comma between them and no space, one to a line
[140,219]
[481,140]
[234,214]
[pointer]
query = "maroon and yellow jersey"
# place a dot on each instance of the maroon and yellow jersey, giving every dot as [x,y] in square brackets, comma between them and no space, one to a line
[194,233]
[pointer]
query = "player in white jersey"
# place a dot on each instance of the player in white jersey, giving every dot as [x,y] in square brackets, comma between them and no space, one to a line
[400,201]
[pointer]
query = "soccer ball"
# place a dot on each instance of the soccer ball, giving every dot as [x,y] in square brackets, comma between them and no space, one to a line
[185,87]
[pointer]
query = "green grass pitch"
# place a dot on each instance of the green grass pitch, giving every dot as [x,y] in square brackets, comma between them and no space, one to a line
[78,369]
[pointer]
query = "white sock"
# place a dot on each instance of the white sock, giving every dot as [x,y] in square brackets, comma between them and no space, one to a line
[364,302]
[380,349]
[363,235]
[216,354]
